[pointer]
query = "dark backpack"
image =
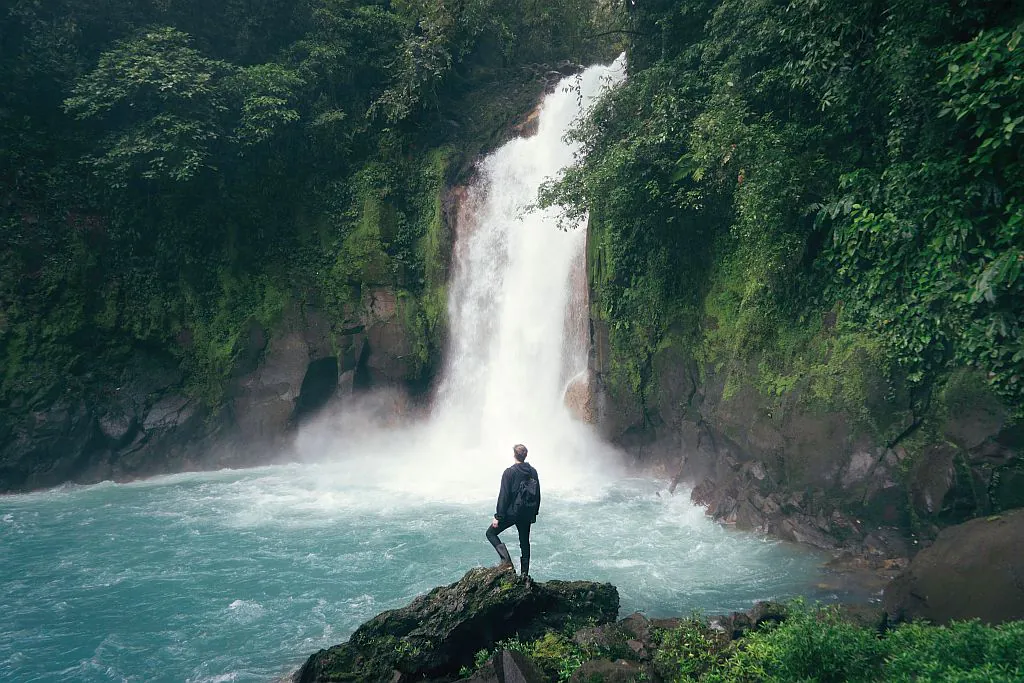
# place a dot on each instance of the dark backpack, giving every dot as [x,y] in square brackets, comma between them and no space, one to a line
[526,501]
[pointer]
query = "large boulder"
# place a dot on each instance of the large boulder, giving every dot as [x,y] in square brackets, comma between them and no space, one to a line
[438,633]
[973,570]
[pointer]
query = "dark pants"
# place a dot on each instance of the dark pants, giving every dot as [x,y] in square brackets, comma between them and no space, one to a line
[524,535]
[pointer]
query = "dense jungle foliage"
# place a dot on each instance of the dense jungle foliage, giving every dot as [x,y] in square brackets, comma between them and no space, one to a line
[171,170]
[792,187]
[816,644]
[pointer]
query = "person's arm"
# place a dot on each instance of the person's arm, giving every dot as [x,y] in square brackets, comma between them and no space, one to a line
[503,493]
[538,494]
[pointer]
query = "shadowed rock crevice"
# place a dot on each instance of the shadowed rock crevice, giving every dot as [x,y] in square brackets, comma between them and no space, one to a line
[318,387]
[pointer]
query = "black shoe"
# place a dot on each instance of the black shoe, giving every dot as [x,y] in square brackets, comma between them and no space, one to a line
[506,559]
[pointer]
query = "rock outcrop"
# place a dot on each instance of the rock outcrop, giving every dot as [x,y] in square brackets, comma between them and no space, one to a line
[143,421]
[973,570]
[815,470]
[440,632]
[135,423]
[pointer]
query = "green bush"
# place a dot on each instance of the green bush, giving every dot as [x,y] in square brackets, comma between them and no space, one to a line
[688,651]
[810,645]
[964,651]
[816,644]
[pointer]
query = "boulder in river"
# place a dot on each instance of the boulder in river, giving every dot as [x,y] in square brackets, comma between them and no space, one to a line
[973,570]
[438,633]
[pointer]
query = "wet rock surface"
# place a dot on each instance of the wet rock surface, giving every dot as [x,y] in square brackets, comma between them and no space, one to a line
[122,429]
[972,570]
[440,632]
[806,471]
[142,420]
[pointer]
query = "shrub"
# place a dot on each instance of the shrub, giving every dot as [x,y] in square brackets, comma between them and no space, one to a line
[818,645]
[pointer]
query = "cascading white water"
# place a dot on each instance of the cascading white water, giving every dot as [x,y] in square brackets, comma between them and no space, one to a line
[518,337]
[516,327]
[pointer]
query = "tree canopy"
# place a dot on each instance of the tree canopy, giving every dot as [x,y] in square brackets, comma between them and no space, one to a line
[172,170]
[773,164]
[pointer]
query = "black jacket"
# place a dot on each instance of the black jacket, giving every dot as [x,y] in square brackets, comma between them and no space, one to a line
[510,484]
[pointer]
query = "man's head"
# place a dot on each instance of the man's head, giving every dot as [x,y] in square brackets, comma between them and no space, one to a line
[519,452]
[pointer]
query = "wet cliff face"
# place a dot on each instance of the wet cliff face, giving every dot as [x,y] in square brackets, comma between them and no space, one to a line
[370,323]
[872,475]
[147,422]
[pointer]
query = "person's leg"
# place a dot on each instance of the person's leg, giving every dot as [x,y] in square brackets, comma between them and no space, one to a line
[492,536]
[524,546]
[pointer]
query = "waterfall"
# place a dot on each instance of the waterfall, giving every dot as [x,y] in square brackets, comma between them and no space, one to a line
[518,340]
[517,299]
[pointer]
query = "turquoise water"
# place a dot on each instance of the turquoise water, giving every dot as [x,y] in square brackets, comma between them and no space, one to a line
[240,575]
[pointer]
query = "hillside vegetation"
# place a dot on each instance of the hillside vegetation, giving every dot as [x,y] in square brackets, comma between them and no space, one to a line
[171,172]
[795,189]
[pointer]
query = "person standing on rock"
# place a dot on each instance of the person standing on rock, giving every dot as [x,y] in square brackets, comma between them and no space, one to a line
[518,505]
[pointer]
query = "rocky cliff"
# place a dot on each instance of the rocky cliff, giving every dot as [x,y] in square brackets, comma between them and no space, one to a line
[374,320]
[147,423]
[837,456]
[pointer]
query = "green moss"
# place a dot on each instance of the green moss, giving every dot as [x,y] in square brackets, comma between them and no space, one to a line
[216,330]
[435,243]
[827,368]
[599,267]
[362,258]
[414,321]
[720,347]
[434,246]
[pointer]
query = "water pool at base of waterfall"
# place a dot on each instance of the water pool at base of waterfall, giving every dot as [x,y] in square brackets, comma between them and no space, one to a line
[240,575]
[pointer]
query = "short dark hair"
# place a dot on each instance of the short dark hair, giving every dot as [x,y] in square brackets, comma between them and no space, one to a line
[519,451]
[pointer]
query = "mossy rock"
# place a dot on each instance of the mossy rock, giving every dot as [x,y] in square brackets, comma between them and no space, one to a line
[438,633]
